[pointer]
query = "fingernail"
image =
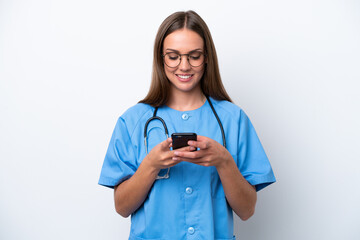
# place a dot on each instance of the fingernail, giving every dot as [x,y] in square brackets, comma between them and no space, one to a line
[176,153]
[175,159]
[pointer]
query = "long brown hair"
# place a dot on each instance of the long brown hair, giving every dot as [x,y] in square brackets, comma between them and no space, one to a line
[211,83]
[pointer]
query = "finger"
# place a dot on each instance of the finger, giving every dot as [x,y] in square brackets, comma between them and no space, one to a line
[193,155]
[192,148]
[198,161]
[198,144]
[186,149]
[171,154]
[202,138]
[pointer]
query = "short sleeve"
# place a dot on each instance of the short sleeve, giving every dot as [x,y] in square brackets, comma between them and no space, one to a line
[252,160]
[119,163]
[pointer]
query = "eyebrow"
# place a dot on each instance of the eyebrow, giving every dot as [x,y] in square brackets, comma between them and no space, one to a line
[176,51]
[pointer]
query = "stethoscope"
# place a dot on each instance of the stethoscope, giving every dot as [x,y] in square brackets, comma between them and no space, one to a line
[154,117]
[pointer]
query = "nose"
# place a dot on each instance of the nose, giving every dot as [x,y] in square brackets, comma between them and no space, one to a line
[184,64]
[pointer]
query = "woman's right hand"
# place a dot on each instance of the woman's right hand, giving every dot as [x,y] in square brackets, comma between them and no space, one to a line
[131,193]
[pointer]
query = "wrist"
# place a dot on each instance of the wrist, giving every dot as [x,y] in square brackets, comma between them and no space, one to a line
[225,162]
[148,167]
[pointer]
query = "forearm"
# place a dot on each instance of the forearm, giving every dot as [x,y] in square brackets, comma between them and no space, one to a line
[239,193]
[130,194]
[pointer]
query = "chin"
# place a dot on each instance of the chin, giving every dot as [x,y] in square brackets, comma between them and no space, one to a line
[187,88]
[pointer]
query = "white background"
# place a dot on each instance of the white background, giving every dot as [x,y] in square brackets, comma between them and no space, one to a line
[69,68]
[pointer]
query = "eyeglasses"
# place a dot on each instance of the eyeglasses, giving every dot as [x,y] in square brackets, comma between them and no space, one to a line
[173,59]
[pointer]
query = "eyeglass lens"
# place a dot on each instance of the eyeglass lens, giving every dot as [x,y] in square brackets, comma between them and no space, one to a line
[173,59]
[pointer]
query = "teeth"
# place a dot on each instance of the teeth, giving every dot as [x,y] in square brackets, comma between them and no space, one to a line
[184,76]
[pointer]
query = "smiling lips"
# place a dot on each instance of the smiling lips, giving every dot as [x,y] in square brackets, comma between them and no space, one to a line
[184,77]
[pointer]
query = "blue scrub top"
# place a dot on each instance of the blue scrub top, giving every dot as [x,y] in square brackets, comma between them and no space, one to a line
[191,204]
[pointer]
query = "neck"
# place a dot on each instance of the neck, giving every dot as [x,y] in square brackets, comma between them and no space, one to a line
[186,101]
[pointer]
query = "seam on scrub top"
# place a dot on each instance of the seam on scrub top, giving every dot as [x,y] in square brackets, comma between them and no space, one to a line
[133,130]
[217,102]
[137,123]
[127,130]
[262,179]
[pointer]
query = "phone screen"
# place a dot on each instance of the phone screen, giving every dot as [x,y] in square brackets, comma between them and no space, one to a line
[180,140]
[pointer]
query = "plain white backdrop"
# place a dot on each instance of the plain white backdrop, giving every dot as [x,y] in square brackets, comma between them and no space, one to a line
[70,68]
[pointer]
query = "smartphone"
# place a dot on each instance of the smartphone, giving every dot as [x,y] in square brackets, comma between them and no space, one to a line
[180,140]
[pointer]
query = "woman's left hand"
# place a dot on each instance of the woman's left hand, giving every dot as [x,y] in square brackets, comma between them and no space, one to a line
[211,153]
[239,193]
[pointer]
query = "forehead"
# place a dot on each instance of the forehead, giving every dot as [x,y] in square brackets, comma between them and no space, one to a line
[183,40]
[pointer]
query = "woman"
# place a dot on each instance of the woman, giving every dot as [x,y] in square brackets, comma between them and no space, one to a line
[183,193]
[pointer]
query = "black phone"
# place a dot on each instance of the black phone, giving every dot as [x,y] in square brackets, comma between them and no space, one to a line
[180,140]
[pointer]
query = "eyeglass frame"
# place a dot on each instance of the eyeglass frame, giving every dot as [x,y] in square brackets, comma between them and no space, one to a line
[188,58]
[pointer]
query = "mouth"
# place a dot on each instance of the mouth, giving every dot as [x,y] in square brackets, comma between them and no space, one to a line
[184,77]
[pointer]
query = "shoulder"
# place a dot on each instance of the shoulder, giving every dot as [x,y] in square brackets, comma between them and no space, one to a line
[135,115]
[136,111]
[227,108]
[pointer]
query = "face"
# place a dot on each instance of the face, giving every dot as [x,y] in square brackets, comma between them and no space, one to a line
[184,77]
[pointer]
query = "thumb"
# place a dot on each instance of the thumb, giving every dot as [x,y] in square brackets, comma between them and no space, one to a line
[166,143]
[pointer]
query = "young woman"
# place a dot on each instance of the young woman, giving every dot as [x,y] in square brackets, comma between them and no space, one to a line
[191,192]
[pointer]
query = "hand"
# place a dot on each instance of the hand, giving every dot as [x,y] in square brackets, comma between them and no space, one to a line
[211,153]
[160,157]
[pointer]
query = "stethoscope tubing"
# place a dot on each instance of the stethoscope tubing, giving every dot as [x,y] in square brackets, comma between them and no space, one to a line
[154,117]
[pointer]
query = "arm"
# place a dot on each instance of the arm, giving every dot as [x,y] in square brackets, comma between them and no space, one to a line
[130,194]
[239,193]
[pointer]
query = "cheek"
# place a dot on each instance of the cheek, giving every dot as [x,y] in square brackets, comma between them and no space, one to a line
[168,71]
[201,71]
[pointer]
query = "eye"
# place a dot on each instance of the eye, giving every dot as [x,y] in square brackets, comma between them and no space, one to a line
[172,56]
[195,56]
